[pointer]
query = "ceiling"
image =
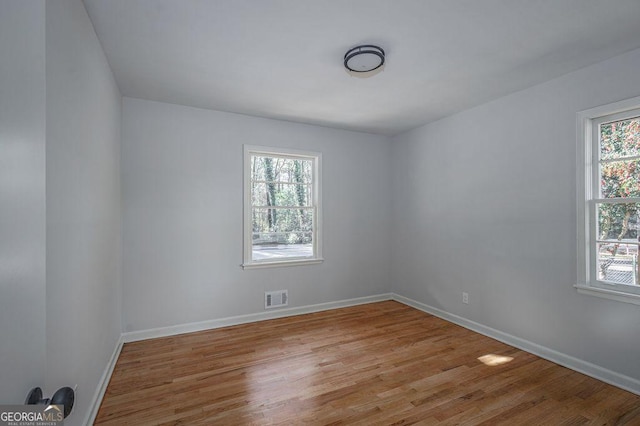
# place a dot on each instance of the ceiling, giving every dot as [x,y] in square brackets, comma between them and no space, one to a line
[282,59]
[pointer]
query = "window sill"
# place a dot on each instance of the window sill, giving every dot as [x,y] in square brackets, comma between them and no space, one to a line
[283,263]
[608,294]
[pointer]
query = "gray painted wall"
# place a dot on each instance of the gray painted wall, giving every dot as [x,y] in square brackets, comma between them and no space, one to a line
[83,205]
[182,215]
[485,202]
[22,198]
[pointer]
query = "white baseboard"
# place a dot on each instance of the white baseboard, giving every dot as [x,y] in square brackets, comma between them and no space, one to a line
[134,336]
[102,384]
[616,379]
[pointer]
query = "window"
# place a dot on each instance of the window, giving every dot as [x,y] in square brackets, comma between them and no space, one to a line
[282,214]
[609,201]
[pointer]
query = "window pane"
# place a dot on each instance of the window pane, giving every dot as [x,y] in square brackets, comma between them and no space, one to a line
[620,179]
[280,194]
[273,220]
[620,138]
[275,169]
[618,222]
[618,263]
[267,246]
[258,194]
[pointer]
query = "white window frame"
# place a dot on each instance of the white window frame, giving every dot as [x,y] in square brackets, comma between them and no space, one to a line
[316,159]
[588,177]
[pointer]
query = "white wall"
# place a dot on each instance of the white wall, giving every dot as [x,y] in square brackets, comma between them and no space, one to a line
[182,215]
[22,198]
[484,202]
[83,205]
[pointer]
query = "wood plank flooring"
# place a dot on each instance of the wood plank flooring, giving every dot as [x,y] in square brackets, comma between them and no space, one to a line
[376,364]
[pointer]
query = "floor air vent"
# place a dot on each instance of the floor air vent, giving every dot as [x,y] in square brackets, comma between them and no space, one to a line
[275,299]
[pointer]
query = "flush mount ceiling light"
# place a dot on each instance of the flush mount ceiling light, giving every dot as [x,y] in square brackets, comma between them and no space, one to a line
[364,61]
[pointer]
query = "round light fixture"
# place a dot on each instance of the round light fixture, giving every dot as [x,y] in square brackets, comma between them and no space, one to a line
[364,61]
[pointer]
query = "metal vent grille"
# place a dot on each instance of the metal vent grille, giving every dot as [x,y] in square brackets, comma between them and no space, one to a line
[275,299]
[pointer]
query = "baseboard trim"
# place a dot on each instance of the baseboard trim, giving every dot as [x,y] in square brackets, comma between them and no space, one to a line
[611,377]
[134,336]
[103,383]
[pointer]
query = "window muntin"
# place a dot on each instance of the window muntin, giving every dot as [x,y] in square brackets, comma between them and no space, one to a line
[613,197]
[282,214]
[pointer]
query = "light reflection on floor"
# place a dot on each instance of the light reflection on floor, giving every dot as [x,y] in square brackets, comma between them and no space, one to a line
[303,382]
[492,360]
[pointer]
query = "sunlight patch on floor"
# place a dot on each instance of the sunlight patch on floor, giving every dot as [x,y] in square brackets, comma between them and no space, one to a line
[492,360]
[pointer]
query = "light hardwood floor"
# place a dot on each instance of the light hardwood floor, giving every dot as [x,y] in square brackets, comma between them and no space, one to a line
[376,364]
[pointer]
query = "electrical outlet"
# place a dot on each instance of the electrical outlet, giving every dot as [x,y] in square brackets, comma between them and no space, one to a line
[465,297]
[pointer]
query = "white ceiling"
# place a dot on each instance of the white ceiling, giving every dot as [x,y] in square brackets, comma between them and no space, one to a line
[283,58]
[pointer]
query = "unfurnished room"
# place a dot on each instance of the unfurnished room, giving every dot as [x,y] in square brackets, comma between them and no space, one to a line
[285,212]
